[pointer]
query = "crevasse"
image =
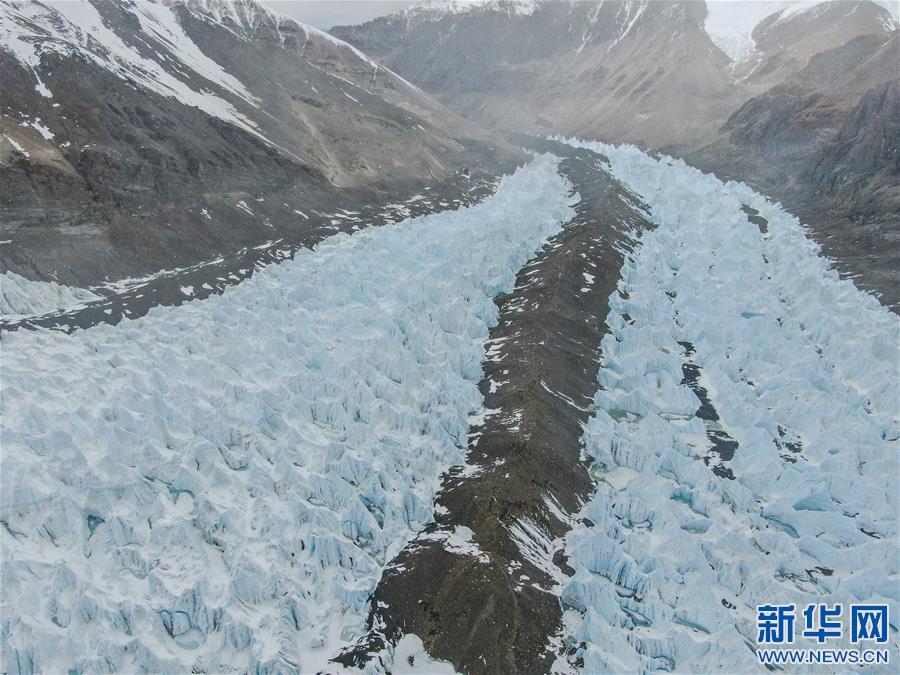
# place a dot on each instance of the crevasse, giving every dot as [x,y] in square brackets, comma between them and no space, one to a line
[800,372]
[218,485]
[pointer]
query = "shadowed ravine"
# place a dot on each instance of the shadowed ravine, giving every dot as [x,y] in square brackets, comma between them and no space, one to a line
[490,607]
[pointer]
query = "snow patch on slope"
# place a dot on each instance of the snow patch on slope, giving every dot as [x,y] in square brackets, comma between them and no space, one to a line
[160,22]
[407,657]
[793,9]
[240,17]
[21,297]
[244,17]
[30,29]
[410,658]
[799,368]
[218,486]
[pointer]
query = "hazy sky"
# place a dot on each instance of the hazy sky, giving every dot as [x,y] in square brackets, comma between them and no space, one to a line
[327,13]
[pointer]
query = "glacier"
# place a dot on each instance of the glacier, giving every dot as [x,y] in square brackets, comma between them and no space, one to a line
[21,297]
[798,369]
[217,486]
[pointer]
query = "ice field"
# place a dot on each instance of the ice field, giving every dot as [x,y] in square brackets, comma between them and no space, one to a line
[218,485]
[782,485]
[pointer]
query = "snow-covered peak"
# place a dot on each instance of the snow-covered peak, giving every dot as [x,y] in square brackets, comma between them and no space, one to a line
[737,26]
[885,12]
[797,8]
[244,18]
[516,7]
[247,18]
[615,19]
[153,46]
[799,12]
[816,26]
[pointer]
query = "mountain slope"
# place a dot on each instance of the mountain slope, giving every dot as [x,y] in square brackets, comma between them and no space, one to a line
[627,70]
[141,136]
[785,40]
[592,69]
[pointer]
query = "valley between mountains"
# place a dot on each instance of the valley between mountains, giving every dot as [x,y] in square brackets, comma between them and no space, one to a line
[494,337]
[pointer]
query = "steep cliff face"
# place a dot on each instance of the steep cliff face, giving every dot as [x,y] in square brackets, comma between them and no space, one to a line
[824,139]
[829,125]
[141,136]
[639,71]
[867,146]
[797,116]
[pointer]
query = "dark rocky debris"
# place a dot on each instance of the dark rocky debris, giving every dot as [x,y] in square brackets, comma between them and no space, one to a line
[527,477]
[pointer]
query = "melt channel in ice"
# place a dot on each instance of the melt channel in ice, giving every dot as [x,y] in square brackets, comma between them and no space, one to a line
[800,372]
[218,486]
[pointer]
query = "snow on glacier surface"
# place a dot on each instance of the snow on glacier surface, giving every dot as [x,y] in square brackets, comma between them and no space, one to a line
[21,297]
[217,486]
[801,370]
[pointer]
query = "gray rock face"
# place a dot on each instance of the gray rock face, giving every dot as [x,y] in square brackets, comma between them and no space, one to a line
[136,137]
[867,146]
[808,31]
[645,72]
